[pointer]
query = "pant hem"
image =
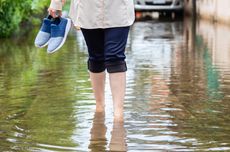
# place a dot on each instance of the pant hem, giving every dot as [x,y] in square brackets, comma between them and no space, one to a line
[116,67]
[96,66]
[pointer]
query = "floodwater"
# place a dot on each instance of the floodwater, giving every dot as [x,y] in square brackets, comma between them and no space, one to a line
[177,98]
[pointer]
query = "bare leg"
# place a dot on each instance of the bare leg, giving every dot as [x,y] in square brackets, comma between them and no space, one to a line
[118,84]
[98,85]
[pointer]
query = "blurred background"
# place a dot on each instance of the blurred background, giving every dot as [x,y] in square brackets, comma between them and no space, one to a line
[178,82]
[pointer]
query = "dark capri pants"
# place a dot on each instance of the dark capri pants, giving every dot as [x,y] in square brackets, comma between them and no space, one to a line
[106,49]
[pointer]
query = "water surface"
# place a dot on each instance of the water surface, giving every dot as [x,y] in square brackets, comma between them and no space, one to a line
[177,96]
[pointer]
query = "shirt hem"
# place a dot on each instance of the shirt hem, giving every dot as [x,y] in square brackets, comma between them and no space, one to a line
[102,27]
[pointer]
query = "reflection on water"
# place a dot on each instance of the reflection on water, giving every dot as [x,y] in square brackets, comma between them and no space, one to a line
[177,95]
[98,139]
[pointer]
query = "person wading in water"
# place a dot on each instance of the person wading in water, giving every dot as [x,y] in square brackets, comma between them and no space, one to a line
[105,26]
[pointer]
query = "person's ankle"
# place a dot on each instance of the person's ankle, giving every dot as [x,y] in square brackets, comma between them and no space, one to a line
[100,108]
[118,117]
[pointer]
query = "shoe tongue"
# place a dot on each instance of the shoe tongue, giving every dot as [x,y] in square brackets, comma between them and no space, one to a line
[56,21]
[47,21]
[49,17]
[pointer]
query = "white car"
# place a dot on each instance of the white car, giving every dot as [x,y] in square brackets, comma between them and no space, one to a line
[170,6]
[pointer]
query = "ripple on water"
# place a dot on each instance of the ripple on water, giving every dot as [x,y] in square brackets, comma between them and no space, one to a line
[177,96]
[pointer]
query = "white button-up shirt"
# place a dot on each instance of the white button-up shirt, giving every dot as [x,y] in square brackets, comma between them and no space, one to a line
[91,14]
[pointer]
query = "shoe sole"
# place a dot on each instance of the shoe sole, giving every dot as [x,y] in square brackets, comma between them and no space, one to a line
[68,26]
[42,45]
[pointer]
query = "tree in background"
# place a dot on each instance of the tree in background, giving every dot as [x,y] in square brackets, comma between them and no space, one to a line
[13,13]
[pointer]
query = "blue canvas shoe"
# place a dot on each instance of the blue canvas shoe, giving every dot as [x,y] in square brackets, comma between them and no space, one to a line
[43,36]
[59,34]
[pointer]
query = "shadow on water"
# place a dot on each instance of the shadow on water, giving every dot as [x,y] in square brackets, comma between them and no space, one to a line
[177,95]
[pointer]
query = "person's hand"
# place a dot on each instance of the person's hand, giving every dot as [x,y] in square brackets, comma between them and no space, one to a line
[54,13]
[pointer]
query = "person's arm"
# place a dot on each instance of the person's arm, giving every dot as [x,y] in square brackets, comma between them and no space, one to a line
[56,8]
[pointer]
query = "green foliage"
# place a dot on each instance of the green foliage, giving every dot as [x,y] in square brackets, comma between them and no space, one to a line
[12,13]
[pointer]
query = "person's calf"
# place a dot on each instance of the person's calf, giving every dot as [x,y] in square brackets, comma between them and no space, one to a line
[98,85]
[118,85]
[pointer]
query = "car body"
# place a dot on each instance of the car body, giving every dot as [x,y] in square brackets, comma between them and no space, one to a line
[159,5]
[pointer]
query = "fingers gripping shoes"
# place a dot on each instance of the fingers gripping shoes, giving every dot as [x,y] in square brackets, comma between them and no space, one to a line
[59,33]
[43,36]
